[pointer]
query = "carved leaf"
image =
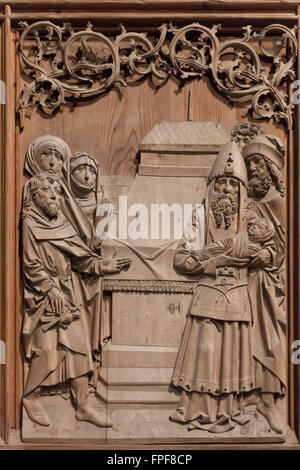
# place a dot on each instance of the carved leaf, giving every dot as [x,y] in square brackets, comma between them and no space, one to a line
[186,52]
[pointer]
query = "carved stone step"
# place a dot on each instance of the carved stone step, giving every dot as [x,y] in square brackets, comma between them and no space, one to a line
[121,356]
[139,385]
[127,395]
[136,377]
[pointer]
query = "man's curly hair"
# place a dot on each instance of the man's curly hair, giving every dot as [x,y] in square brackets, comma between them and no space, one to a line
[275,175]
[33,186]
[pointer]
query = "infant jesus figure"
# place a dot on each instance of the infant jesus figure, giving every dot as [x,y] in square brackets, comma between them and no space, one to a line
[260,236]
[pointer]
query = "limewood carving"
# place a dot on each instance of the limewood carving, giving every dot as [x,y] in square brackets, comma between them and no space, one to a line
[230,369]
[232,354]
[62,64]
[243,133]
[64,329]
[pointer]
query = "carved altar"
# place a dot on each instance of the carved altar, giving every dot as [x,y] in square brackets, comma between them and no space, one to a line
[150,301]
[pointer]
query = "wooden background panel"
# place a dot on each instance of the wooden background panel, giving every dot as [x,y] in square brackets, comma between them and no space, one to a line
[2,309]
[9,239]
[148,10]
[117,5]
[157,5]
[111,126]
[296,198]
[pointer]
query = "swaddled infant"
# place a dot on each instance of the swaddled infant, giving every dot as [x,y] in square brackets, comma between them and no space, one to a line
[260,234]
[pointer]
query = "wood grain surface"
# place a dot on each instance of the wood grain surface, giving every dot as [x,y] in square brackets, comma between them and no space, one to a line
[10,224]
[110,127]
[2,332]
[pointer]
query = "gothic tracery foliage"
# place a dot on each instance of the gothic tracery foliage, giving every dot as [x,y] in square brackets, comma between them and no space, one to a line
[61,63]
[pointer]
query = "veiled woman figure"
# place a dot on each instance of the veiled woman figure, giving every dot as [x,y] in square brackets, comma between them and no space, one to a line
[84,179]
[51,155]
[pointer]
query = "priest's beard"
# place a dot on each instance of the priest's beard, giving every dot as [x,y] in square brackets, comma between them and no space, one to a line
[259,185]
[224,208]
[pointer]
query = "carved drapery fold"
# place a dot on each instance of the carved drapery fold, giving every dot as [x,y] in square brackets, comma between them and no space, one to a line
[62,64]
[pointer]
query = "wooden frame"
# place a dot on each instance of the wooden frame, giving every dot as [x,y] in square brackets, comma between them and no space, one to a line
[108,14]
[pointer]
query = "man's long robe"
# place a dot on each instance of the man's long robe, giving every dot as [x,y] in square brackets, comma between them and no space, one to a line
[267,293]
[215,357]
[53,256]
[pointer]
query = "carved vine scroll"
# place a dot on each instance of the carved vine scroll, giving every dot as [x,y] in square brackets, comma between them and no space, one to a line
[62,64]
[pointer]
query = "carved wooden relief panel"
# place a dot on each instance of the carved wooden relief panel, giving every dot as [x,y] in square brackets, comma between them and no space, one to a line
[154,170]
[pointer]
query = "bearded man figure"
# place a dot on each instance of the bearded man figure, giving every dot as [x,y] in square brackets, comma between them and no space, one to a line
[57,326]
[214,366]
[264,157]
[50,154]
